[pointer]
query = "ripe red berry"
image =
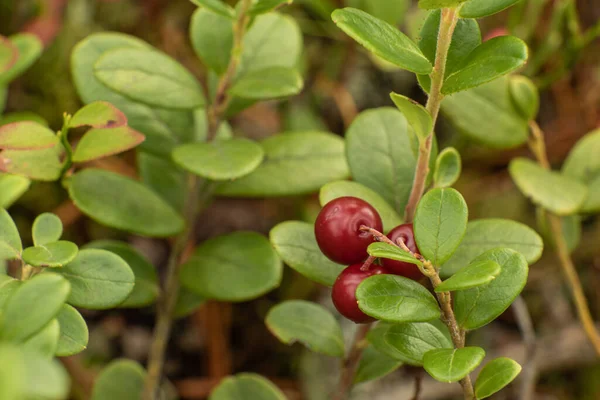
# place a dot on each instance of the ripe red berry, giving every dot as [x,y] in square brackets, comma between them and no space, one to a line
[344,291]
[406,233]
[338,233]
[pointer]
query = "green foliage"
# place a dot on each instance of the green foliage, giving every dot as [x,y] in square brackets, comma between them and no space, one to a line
[416,115]
[265,6]
[100,143]
[412,340]
[47,228]
[45,342]
[121,379]
[211,34]
[434,4]
[495,376]
[55,254]
[307,323]
[452,365]
[525,96]
[8,54]
[74,334]
[29,49]
[26,135]
[216,6]
[474,275]
[374,365]
[11,188]
[584,166]
[391,12]
[268,83]
[41,164]
[484,8]
[10,240]
[246,386]
[98,114]
[448,167]
[386,250]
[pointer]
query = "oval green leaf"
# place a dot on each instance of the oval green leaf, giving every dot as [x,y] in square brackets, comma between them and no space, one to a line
[496,375]
[246,386]
[123,203]
[268,83]
[386,250]
[448,167]
[12,187]
[380,295]
[376,337]
[484,8]
[308,323]
[237,267]
[74,334]
[416,115]
[121,379]
[452,365]
[374,365]
[10,240]
[412,340]
[55,254]
[45,342]
[476,274]
[46,378]
[525,96]
[26,135]
[212,39]
[12,372]
[99,114]
[47,228]
[100,143]
[583,165]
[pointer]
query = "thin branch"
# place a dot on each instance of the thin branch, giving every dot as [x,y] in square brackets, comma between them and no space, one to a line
[350,365]
[529,375]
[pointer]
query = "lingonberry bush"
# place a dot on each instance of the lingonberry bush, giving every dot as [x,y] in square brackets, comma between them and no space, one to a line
[395,243]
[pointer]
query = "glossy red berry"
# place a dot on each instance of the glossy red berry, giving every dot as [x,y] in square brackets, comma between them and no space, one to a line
[338,233]
[343,293]
[406,233]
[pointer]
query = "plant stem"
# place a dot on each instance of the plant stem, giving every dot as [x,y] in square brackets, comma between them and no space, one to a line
[525,323]
[538,148]
[447,25]
[351,362]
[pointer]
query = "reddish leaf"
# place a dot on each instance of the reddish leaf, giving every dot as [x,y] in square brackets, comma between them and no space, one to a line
[9,54]
[99,114]
[26,135]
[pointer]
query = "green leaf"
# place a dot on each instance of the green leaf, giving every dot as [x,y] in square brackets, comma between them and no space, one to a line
[448,167]
[149,77]
[10,240]
[247,266]
[412,340]
[385,250]
[99,279]
[46,378]
[376,337]
[8,54]
[382,39]
[100,143]
[308,323]
[212,39]
[164,178]
[391,12]
[268,83]
[490,60]
[295,243]
[121,379]
[440,224]
[216,6]
[571,229]
[220,160]
[374,365]
[484,8]
[265,6]
[47,228]
[12,372]
[295,163]
[479,306]
[41,165]
[123,203]
[451,365]
[246,386]
[334,190]
[99,114]
[12,187]
[583,165]
[26,135]
[8,286]
[416,115]
[489,105]
[495,376]
[74,334]
[187,303]
[380,295]
[44,342]
[55,254]
[20,116]
[555,192]
[476,274]
[146,287]
[30,48]
[524,95]
[435,4]
[486,234]
[42,296]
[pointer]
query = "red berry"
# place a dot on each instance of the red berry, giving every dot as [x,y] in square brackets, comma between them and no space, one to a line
[408,270]
[344,291]
[338,233]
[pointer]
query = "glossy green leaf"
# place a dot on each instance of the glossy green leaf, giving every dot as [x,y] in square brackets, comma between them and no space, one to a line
[212,39]
[483,8]
[187,303]
[489,105]
[382,39]
[236,267]
[448,167]
[146,287]
[380,295]
[26,135]
[385,250]
[121,379]
[451,365]
[412,340]
[44,342]
[220,160]
[99,143]
[30,48]
[476,274]
[479,306]
[47,228]
[12,187]
[486,234]
[149,77]
[496,375]
[216,6]
[524,95]
[435,4]
[74,334]
[336,189]
[440,224]
[295,163]
[246,386]
[99,114]
[376,337]
[490,60]
[416,115]
[55,254]
[40,165]
[551,190]
[99,279]
[123,203]
[12,372]
[268,83]
[295,243]
[42,296]
[374,365]
[308,323]
[8,54]
[46,378]
[164,178]
[265,6]
[583,165]
[10,240]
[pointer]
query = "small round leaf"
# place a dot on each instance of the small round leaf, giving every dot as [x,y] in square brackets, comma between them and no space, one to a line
[495,376]
[74,334]
[121,379]
[476,274]
[447,168]
[55,254]
[47,228]
[412,340]
[452,365]
[246,386]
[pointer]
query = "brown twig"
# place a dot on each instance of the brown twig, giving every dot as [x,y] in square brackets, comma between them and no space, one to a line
[351,362]
[418,384]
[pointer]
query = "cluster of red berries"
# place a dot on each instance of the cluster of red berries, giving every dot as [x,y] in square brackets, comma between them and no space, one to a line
[341,239]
